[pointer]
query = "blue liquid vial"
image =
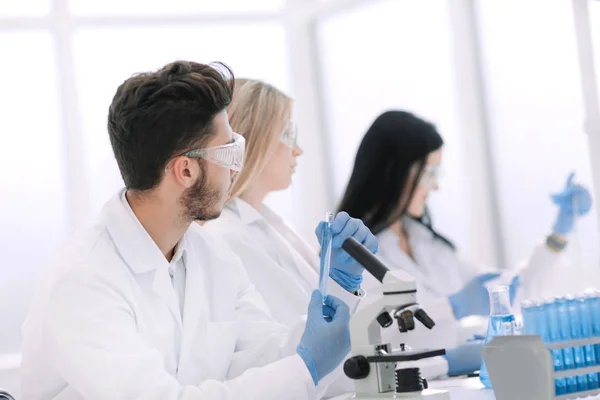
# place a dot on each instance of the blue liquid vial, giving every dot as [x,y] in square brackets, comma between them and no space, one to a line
[585,315]
[502,322]
[593,301]
[554,336]
[562,309]
[528,312]
[325,255]
[578,352]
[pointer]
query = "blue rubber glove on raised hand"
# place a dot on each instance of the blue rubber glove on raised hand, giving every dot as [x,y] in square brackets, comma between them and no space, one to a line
[344,269]
[573,201]
[464,359]
[473,299]
[325,343]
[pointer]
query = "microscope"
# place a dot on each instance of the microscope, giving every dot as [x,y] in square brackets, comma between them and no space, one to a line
[373,363]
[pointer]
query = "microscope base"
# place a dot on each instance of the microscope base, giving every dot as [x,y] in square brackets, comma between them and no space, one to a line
[427,394]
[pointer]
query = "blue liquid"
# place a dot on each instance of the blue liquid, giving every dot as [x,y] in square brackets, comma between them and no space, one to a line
[560,384]
[593,305]
[586,316]
[575,323]
[325,260]
[499,325]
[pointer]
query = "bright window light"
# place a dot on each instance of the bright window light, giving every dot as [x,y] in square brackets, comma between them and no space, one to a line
[32,183]
[161,7]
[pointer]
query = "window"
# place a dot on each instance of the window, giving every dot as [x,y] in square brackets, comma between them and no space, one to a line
[536,113]
[595,22]
[29,8]
[105,58]
[33,222]
[161,7]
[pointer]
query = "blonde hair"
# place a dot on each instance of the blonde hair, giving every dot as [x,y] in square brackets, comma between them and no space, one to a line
[260,112]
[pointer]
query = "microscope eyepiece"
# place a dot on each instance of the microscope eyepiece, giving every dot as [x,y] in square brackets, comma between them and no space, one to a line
[384,319]
[425,319]
[406,322]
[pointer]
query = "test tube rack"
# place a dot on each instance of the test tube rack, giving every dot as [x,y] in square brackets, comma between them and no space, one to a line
[521,367]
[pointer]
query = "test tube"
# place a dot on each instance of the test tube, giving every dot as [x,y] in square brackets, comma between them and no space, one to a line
[554,336]
[565,334]
[528,312]
[586,332]
[594,303]
[578,352]
[325,255]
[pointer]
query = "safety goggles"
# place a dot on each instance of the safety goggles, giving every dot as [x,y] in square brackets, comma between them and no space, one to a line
[229,155]
[290,135]
[430,176]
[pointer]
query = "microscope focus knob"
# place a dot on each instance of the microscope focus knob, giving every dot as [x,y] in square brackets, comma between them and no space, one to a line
[385,319]
[357,367]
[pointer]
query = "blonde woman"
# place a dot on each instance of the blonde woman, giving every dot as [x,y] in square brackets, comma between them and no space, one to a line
[280,264]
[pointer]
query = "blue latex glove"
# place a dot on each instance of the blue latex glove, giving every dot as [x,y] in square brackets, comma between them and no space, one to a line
[344,269]
[473,299]
[464,359]
[325,343]
[573,199]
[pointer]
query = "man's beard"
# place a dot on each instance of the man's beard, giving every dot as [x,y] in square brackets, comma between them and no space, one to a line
[200,200]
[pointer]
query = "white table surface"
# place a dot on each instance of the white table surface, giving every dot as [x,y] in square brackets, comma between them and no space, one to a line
[464,389]
[459,388]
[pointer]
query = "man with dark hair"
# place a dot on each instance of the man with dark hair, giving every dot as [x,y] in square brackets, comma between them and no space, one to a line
[140,307]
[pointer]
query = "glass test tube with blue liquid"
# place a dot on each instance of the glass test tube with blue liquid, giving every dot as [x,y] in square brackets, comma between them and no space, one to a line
[554,336]
[585,314]
[593,300]
[578,352]
[325,255]
[562,309]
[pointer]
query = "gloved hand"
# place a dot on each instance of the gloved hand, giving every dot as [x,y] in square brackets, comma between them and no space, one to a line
[574,200]
[473,299]
[325,344]
[512,288]
[465,358]
[344,269]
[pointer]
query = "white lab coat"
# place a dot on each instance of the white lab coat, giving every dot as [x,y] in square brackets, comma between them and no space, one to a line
[106,324]
[280,264]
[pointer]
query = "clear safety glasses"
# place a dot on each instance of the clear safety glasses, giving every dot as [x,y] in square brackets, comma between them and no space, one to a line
[430,176]
[229,155]
[290,135]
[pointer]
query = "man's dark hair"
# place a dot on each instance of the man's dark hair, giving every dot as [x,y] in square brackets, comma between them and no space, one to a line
[155,116]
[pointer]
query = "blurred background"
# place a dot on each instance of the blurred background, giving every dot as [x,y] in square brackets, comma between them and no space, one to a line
[500,79]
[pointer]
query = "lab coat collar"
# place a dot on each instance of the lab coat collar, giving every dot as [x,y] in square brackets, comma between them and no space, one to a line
[132,241]
[140,252]
[414,228]
[248,214]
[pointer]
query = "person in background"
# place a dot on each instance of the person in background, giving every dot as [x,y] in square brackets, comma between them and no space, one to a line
[281,265]
[396,168]
[139,306]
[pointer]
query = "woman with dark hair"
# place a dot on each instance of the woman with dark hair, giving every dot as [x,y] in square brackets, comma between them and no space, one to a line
[396,167]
